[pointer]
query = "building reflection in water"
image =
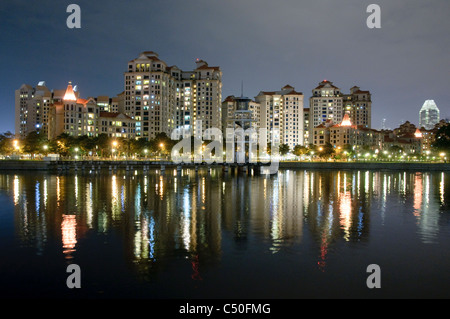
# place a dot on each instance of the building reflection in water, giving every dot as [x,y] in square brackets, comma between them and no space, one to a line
[192,213]
[69,234]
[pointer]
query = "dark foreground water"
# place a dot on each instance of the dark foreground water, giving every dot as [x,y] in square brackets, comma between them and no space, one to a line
[298,234]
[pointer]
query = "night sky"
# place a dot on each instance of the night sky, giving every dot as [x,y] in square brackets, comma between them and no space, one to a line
[264,43]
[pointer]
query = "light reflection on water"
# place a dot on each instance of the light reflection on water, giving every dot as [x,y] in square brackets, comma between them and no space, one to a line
[209,217]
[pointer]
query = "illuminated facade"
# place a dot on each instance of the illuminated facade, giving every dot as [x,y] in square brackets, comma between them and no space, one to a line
[346,134]
[283,110]
[78,117]
[358,104]
[161,98]
[32,105]
[328,103]
[116,125]
[325,104]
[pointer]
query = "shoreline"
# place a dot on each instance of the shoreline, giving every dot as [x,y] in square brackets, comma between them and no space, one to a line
[112,165]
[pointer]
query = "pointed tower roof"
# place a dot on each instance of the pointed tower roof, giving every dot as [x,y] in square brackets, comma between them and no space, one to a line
[418,133]
[429,104]
[70,94]
[346,120]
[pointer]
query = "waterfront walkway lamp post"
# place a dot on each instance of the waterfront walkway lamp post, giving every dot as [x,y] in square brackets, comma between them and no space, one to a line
[443,157]
[162,149]
[114,144]
[45,147]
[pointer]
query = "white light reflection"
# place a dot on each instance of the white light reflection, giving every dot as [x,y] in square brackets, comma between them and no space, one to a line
[58,191]
[76,189]
[441,189]
[45,193]
[276,220]
[89,203]
[16,190]
[115,198]
[366,183]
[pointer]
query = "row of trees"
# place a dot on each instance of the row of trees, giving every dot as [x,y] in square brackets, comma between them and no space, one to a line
[100,146]
[104,146]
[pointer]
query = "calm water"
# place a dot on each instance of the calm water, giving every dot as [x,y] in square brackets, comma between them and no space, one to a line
[298,234]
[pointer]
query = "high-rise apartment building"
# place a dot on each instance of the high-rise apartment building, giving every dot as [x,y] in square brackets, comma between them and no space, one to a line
[358,105]
[161,98]
[429,115]
[329,104]
[32,106]
[325,104]
[282,110]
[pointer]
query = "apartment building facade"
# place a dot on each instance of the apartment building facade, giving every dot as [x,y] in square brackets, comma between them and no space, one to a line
[329,103]
[283,111]
[161,98]
[32,108]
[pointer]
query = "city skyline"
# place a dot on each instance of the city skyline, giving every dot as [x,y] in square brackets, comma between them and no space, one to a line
[401,69]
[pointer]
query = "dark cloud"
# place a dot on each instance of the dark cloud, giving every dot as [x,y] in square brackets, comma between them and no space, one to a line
[266,44]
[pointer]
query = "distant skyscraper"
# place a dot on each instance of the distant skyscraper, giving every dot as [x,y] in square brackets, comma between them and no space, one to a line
[428,115]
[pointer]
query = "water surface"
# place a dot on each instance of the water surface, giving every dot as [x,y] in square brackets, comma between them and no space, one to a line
[297,234]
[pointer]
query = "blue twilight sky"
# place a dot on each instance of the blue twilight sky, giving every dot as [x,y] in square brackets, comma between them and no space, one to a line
[264,43]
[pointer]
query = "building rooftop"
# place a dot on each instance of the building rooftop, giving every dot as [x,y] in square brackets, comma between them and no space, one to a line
[69,95]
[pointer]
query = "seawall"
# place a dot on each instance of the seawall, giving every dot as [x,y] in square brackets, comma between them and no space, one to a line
[55,166]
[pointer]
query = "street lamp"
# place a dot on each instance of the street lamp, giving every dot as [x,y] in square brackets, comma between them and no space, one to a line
[114,144]
[161,145]
[16,145]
